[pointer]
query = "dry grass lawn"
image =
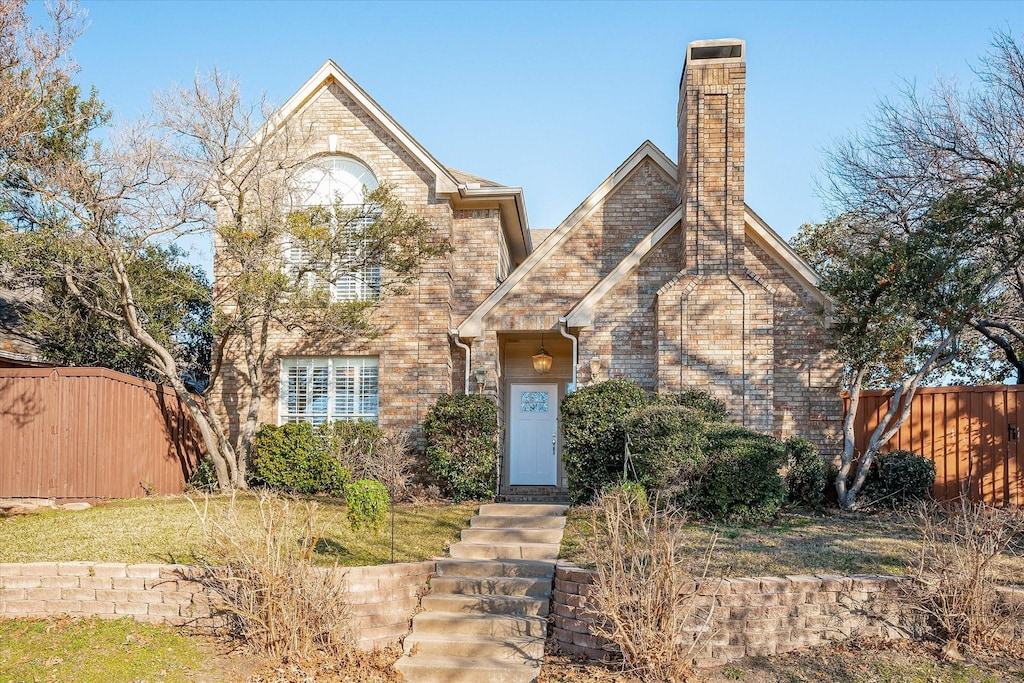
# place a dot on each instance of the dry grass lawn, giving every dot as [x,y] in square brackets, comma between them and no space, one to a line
[797,544]
[167,530]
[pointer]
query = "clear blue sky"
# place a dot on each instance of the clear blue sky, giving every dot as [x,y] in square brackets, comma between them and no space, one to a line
[552,96]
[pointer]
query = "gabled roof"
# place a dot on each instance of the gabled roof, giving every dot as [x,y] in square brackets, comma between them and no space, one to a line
[472,325]
[463,189]
[582,314]
[444,182]
[784,254]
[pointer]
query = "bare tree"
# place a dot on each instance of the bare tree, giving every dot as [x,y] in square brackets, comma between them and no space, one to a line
[276,257]
[35,80]
[86,215]
[929,231]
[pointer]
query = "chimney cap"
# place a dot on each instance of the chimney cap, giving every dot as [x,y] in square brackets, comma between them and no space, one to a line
[719,49]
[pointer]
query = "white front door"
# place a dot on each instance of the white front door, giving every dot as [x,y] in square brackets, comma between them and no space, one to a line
[533,423]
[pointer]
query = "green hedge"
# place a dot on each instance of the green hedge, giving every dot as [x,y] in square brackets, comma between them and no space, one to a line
[594,437]
[741,481]
[806,475]
[668,444]
[899,478]
[297,458]
[698,400]
[462,445]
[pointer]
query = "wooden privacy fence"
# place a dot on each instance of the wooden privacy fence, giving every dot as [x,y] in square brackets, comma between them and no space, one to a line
[972,434]
[91,433]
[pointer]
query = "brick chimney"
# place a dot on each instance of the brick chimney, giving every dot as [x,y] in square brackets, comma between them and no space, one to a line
[711,132]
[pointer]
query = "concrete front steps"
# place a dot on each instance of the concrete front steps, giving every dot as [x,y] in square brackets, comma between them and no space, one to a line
[485,618]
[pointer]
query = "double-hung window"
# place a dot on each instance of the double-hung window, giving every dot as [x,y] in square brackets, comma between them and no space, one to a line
[320,389]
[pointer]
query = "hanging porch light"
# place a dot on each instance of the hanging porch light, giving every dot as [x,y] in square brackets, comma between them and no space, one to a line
[542,359]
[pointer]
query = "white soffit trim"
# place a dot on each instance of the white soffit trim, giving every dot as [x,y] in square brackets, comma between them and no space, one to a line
[784,254]
[444,182]
[582,315]
[471,327]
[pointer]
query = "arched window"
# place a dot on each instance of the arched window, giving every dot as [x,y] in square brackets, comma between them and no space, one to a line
[330,178]
[324,182]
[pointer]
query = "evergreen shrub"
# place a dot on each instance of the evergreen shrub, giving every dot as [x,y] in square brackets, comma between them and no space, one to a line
[462,445]
[367,502]
[741,480]
[668,444]
[709,407]
[297,458]
[806,474]
[594,436]
[899,478]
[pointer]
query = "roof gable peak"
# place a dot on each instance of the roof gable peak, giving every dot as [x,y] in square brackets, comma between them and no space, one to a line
[330,72]
[472,325]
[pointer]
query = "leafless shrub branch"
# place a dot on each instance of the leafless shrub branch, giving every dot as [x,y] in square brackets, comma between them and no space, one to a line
[955,582]
[646,602]
[259,567]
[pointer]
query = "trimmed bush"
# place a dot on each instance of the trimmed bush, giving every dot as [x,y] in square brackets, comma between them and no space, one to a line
[711,408]
[806,474]
[297,458]
[741,481]
[668,444]
[367,502]
[593,435]
[899,478]
[462,445]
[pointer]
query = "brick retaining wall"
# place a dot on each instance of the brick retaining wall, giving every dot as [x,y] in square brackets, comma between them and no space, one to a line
[762,616]
[749,617]
[382,598]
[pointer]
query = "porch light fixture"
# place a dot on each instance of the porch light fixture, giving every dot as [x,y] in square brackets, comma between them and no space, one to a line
[481,378]
[542,359]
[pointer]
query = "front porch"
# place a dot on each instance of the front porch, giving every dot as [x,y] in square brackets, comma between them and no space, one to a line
[530,466]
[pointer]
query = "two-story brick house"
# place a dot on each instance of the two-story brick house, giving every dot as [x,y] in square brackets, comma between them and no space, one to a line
[662,275]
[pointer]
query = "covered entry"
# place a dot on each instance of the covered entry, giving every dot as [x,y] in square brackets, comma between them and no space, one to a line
[532,452]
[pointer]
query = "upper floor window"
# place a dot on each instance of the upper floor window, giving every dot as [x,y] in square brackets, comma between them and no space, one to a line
[331,178]
[325,182]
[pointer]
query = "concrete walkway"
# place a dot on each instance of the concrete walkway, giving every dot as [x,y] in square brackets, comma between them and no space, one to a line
[485,618]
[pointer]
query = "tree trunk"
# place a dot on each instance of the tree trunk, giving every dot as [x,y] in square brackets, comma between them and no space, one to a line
[168,367]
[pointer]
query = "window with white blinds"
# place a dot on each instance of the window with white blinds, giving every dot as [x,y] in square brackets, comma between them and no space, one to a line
[322,389]
[361,283]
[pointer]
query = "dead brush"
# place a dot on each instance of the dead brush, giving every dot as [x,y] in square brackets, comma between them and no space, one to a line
[260,571]
[644,599]
[955,581]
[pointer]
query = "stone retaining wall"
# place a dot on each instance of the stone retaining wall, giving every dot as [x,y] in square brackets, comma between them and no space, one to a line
[749,617]
[764,616]
[382,598]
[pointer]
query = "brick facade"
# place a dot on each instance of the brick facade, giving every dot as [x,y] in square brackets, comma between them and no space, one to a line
[717,301]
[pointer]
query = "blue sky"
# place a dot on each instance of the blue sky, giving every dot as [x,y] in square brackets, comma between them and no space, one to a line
[552,96]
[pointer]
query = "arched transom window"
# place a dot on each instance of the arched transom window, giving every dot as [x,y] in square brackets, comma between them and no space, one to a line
[329,178]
